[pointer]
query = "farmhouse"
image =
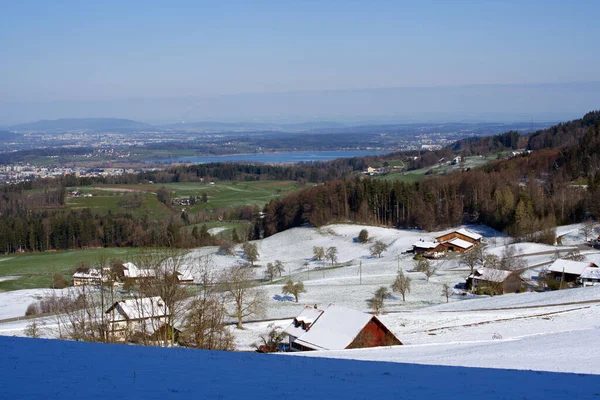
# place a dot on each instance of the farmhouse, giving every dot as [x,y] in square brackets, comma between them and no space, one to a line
[569,270]
[145,316]
[131,271]
[457,244]
[463,234]
[495,280]
[87,276]
[337,328]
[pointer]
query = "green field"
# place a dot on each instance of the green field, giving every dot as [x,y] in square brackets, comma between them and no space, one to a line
[36,270]
[104,200]
[220,194]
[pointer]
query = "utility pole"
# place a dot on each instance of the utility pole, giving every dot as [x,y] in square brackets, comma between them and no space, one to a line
[360,272]
[398,258]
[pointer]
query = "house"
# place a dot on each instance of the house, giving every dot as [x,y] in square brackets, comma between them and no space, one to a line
[590,277]
[463,234]
[457,244]
[429,249]
[144,316]
[90,276]
[569,270]
[496,281]
[337,328]
[87,276]
[131,271]
[185,277]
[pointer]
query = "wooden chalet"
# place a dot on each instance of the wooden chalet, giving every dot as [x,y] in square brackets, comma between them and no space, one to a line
[463,234]
[571,271]
[496,281]
[590,277]
[337,328]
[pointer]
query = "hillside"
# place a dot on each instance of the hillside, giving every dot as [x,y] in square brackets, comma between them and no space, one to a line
[70,370]
[90,124]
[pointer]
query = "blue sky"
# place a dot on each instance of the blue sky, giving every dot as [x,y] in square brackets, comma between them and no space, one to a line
[104,50]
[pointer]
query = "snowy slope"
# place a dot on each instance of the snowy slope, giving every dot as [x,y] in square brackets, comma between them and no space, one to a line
[36,369]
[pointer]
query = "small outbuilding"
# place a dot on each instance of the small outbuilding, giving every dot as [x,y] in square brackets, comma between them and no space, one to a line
[337,328]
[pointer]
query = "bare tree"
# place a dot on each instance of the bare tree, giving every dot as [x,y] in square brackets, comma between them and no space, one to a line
[269,342]
[378,248]
[206,321]
[226,247]
[574,255]
[446,291]
[331,254]
[32,330]
[318,253]
[376,303]
[587,229]
[472,258]
[251,252]
[401,284]
[511,260]
[164,268]
[239,286]
[423,265]
[295,289]
[274,270]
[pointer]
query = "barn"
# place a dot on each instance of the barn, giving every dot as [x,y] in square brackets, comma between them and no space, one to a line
[495,281]
[569,270]
[337,328]
[463,234]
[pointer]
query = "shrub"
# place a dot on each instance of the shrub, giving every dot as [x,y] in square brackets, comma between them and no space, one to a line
[363,236]
[32,309]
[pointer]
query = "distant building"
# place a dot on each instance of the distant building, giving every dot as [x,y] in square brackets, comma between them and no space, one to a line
[571,271]
[496,281]
[87,276]
[137,317]
[463,234]
[337,328]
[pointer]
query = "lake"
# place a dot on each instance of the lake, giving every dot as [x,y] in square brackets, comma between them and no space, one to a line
[284,157]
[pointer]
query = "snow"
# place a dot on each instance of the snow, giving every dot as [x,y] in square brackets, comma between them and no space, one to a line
[147,307]
[73,370]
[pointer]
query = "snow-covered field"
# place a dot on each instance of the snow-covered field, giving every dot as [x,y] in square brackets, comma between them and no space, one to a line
[540,331]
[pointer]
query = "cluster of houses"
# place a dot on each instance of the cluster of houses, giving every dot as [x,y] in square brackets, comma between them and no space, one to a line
[460,240]
[127,271]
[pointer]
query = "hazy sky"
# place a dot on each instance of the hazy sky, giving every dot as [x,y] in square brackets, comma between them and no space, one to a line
[103,50]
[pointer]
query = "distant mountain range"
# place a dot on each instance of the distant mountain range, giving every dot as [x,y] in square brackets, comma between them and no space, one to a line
[119,125]
[75,124]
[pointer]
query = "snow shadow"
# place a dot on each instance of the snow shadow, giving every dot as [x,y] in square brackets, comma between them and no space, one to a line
[283,298]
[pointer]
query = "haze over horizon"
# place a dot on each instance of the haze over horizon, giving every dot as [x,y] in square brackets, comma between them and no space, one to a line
[383,61]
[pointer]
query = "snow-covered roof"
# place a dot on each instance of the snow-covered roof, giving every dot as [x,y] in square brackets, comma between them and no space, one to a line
[426,245]
[132,271]
[90,274]
[490,274]
[590,273]
[309,314]
[146,307]
[468,233]
[335,328]
[185,276]
[570,266]
[460,243]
